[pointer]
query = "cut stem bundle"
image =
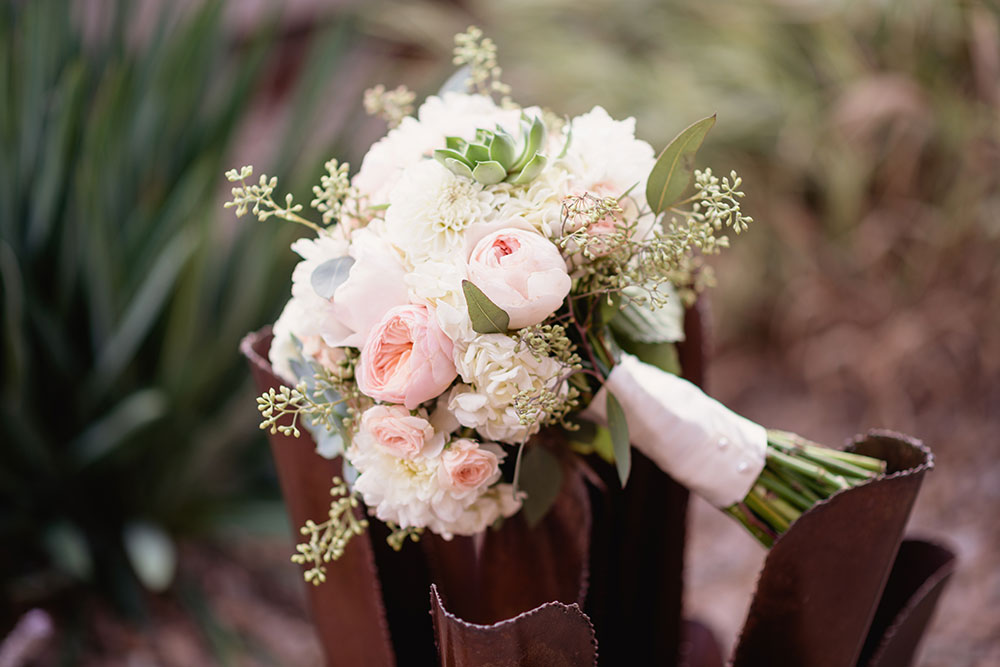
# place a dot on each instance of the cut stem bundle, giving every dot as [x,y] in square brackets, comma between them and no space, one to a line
[797,475]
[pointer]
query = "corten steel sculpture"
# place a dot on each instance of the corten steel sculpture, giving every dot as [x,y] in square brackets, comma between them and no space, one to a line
[837,588]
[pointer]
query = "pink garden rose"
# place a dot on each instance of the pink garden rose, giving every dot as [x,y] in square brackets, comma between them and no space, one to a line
[407,358]
[393,428]
[466,466]
[522,272]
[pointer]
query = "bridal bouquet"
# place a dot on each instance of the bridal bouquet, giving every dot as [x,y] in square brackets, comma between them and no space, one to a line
[497,290]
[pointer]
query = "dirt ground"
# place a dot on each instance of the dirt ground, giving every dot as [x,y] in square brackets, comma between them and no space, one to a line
[957,508]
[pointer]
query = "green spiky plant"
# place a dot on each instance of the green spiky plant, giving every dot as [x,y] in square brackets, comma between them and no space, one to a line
[124,297]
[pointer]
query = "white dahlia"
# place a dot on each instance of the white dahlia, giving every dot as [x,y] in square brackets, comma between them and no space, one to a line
[430,210]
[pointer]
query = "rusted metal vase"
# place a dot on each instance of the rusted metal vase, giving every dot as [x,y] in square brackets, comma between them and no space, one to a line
[836,589]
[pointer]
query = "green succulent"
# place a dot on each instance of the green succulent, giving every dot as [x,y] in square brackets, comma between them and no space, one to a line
[495,156]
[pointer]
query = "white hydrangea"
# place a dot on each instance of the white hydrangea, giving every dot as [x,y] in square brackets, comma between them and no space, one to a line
[494,372]
[430,210]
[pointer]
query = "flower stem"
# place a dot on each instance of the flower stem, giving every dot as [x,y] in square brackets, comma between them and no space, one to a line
[797,475]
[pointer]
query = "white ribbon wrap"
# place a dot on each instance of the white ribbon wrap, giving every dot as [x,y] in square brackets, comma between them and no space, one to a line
[699,442]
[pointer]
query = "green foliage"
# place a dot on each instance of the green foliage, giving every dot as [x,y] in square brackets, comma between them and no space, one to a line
[123,298]
[327,540]
[671,175]
[540,476]
[618,426]
[486,316]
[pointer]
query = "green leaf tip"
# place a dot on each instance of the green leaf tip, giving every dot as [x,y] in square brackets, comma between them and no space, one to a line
[674,168]
[486,316]
[618,426]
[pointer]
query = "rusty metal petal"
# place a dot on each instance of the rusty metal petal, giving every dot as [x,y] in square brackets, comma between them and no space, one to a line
[506,572]
[823,578]
[917,580]
[552,635]
[347,610]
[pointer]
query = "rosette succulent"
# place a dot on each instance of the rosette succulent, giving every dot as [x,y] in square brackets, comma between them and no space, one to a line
[495,156]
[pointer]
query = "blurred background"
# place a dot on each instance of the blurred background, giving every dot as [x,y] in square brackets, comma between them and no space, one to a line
[138,506]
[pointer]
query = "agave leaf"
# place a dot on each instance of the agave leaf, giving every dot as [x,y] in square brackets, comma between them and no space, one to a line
[673,170]
[456,144]
[68,549]
[142,312]
[486,316]
[489,173]
[151,553]
[104,435]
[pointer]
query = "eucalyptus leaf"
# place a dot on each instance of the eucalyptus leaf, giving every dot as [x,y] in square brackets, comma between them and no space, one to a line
[541,478]
[641,323]
[457,82]
[486,316]
[674,168]
[618,426]
[330,275]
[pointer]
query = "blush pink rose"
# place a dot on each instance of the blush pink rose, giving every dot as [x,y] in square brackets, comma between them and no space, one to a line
[393,428]
[466,466]
[407,358]
[522,272]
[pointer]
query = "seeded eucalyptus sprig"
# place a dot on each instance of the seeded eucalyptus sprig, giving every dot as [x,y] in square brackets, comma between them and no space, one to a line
[327,540]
